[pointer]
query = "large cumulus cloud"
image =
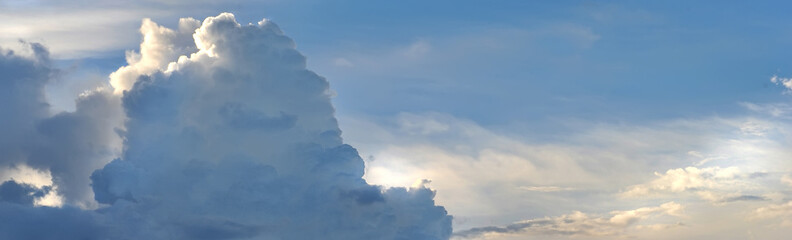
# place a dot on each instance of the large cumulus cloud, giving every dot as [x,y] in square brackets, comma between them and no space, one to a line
[226,136]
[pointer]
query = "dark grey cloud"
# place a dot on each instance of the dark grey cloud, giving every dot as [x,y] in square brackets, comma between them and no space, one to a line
[74,144]
[48,223]
[22,94]
[745,198]
[20,193]
[70,145]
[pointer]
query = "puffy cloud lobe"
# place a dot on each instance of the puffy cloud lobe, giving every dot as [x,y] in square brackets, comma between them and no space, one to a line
[160,46]
[238,141]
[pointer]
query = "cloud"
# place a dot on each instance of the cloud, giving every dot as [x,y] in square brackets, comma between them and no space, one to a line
[73,32]
[238,139]
[23,173]
[224,134]
[22,81]
[581,224]
[787,179]
[776,110]
[685,179]
[24,194]
[31,145]
[715,184]
[417,49]
[745,198]
[218,131]
[92,28]
[546,188]
[342,62]
[773,211]
[160,46]
[25,222]
[67,145]
[778,215]
[786,82]
[490,176]
[754,128]
[464,160]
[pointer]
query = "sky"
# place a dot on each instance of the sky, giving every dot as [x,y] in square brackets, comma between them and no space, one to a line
[395,120]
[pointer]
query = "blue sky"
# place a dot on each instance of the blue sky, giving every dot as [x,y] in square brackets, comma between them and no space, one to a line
[583,60]
[565,119]
[508,62]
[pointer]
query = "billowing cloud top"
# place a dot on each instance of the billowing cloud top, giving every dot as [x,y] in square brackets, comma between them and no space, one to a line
[236,140]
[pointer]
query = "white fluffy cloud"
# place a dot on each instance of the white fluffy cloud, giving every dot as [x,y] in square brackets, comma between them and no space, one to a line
[160,47]
[239,140]
[786,82]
